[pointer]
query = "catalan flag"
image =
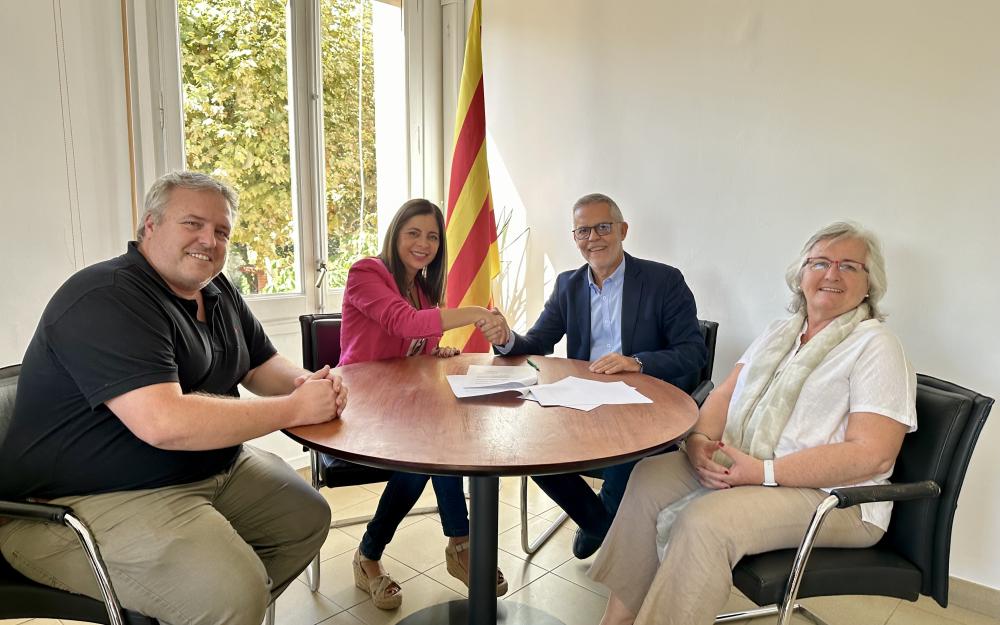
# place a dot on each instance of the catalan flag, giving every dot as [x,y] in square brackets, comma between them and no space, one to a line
[473,257]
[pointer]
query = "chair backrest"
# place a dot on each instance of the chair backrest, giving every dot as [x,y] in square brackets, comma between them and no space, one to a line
[709,332]
[320,340]
[8,390]
[949,420]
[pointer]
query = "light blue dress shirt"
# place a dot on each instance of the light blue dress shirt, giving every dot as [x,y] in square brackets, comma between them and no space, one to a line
[605,315]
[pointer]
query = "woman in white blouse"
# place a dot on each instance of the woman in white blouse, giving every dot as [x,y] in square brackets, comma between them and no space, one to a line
[818,401]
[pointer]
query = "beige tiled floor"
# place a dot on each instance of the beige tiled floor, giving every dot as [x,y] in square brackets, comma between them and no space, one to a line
[551,580]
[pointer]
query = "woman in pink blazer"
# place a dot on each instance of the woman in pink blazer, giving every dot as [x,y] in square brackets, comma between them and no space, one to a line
[391,310]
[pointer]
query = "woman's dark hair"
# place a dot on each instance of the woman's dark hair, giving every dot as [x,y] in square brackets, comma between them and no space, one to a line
[432,279]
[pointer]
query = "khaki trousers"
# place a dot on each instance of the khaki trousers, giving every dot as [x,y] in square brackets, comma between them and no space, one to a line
[215,551]
[693,583]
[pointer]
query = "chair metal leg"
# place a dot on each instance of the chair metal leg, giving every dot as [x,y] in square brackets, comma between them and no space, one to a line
[269,615]
[801,558]
[771,610]
[312,574]
[97,566]
[527,545]
[788,603]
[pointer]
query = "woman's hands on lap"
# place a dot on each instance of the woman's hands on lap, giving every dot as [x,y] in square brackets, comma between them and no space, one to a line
[744,471]
[700,449]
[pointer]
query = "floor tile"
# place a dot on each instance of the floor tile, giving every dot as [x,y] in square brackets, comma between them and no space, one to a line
[300,606]
[508,517]
[418,593]
[575,571]
[337,542]
[419,545]
[344,618]
[562,599]
[553,514]
[953,612]
[518,573]
[336,580]
[345,497]
[375,487]
[907,613]
[510,493]
[549,556]
[859,610]
[366,508]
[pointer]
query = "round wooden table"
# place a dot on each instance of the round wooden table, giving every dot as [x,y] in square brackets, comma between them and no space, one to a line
[403,415]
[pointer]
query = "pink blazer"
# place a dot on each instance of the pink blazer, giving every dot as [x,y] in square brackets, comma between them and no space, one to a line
[378,323]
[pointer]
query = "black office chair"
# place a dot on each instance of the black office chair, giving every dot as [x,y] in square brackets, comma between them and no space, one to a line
[22,598]
[709,332]
[912,558]
[321,347]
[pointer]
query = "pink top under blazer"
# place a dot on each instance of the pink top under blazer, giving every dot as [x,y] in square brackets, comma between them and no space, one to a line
[378,323]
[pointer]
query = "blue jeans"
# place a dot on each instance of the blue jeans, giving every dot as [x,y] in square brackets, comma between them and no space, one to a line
[399,497]
[592,512]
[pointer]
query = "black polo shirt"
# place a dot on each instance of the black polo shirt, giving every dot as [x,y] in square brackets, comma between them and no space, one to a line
[112,328]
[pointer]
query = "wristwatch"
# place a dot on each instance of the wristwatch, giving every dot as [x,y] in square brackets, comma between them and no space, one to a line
[639,362]
[769,473]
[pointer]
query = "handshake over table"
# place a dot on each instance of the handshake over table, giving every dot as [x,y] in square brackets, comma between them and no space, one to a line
[494,327]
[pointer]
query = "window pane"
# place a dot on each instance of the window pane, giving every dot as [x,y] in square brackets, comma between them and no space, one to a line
[235,84]
[363,97]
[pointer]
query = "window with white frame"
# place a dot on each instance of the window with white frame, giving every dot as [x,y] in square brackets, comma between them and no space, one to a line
[238,89]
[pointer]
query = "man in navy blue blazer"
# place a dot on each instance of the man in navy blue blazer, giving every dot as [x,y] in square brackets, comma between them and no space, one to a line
[623,314]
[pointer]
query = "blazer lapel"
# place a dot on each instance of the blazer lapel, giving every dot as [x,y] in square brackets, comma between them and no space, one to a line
[581,301]
[631,294]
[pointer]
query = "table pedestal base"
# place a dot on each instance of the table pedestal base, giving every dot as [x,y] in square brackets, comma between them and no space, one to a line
[457,613]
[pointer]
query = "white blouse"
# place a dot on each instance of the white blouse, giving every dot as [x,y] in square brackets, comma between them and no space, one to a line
[867,372]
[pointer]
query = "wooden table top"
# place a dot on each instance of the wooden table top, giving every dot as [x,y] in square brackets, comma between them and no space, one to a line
[402,414]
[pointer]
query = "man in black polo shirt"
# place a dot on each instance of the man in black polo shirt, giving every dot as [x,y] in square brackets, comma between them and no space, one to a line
[127,410]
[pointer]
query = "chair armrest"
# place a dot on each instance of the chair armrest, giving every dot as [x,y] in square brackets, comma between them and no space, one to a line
[700,393]
[854,495]
[34,511]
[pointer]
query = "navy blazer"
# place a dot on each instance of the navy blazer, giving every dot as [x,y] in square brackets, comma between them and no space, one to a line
[659,322]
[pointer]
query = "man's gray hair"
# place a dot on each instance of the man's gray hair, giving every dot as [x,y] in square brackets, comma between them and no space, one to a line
[159,195]
[600,198]
[875,262]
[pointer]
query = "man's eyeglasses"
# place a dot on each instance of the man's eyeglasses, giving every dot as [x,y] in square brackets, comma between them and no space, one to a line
[822,264]
[602,229]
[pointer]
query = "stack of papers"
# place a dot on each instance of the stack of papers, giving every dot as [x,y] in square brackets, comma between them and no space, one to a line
[570,392]
[581,394]
[488,376]
[488,379]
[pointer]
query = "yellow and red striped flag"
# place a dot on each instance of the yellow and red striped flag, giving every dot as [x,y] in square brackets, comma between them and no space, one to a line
[473,256]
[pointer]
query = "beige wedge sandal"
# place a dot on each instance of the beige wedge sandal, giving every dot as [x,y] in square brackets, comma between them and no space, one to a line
[386,594]
[457,570]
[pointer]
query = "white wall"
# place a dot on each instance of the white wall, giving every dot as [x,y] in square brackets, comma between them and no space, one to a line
[64,187]
[729,131]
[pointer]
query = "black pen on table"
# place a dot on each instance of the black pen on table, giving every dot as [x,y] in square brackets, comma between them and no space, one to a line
[531,364]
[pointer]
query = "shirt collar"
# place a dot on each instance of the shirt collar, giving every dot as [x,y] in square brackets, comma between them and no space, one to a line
[615,275]
[134,256]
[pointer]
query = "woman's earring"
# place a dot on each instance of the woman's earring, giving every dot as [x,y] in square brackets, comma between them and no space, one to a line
[423,272]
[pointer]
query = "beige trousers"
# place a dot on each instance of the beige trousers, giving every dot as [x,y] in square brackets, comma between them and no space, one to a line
[215,551]
[709,537]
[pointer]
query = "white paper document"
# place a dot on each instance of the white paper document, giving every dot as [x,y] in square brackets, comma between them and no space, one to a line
[460,386]
[570,392]
[480,376]
[583,394]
